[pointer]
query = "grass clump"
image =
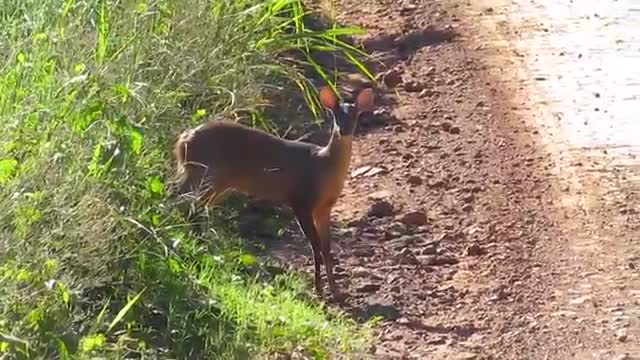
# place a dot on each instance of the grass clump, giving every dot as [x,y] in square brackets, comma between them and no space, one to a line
[94,261]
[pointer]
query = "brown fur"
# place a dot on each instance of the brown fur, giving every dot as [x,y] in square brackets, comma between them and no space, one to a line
[220,156]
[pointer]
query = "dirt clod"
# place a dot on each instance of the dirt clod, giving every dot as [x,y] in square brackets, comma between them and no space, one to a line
[429,250]
[414,86]
[454,130]
[414,180]
[376,306]
[403,242]
[414,218]
[406,257]
[475,250]
[621,335]
[392,78]
[363,252]
[438,260]
[368,288]
[380,209]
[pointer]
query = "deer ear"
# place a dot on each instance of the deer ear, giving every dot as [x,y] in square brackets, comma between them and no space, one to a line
[328,98]
[365,100]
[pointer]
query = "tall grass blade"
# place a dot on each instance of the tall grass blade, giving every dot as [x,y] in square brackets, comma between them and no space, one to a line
[121,314]
[103,33]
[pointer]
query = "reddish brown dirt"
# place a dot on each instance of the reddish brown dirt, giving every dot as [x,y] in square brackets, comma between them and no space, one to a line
[450,226]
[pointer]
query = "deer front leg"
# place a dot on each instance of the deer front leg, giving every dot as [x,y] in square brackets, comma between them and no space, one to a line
[322,220]
[305,221]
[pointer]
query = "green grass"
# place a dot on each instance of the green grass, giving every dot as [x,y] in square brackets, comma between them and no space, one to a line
[94,260]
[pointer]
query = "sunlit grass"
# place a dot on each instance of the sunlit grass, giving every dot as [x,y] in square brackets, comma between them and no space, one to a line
[94,260]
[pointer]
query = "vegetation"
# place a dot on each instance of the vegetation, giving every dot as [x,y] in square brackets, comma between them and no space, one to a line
[95,260]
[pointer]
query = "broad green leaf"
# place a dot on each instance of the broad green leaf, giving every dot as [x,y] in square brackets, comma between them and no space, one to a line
[248,259]
[92,342]
[136,141]
[79,68]
[156,186]
[8,169]
[64,293]
[63,350]
[156,219]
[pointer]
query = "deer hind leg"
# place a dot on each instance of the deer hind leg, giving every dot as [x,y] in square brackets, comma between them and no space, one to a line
[306,223]
[209,195]
[322,220]
[214,189]
[214,197]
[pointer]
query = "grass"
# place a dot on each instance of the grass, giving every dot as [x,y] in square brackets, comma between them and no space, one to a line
[94,260]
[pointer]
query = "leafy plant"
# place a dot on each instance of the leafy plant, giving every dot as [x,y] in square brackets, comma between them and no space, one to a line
[92,95]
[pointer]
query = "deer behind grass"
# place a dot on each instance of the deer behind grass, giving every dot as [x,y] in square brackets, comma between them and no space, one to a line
[220,156]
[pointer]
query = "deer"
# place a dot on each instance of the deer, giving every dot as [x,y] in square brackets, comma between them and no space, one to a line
[221,156]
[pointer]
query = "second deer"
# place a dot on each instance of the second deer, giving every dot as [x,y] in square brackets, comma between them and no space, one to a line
[219,156]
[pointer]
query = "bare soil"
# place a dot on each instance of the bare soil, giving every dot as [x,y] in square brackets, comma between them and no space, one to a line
[458,226]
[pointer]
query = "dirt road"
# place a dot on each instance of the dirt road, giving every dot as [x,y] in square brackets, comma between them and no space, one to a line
[465,223]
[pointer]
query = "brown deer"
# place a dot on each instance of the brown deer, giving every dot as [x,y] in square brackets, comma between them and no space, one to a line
[220,155]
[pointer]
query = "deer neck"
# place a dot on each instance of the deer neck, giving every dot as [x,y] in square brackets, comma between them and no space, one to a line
[338,152]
